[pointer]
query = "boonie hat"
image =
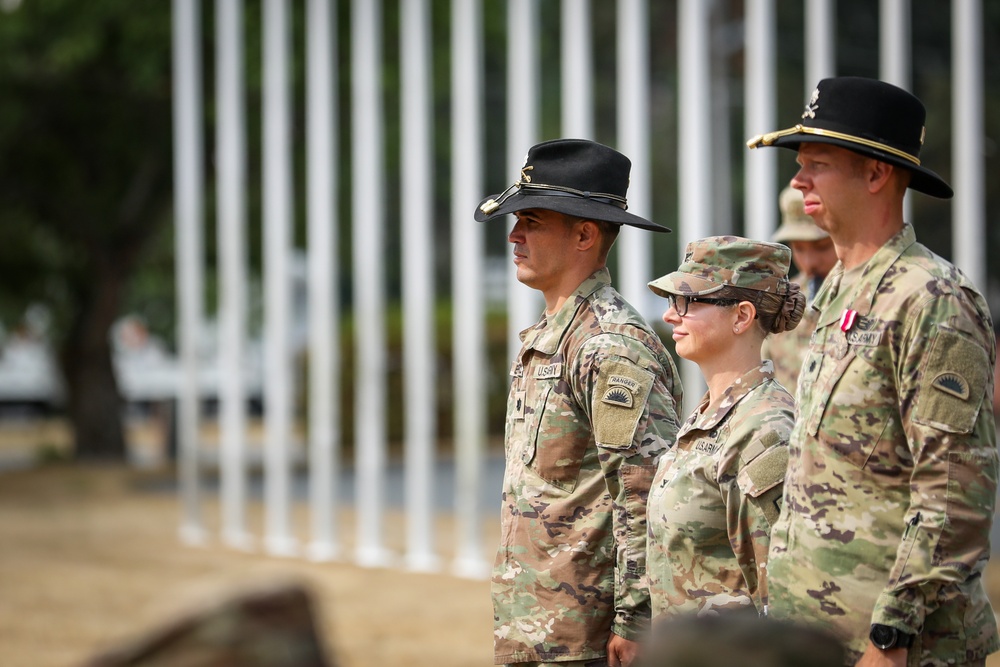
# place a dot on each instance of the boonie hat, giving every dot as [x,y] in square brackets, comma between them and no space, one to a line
[795,224]
[572,176]
[867,116]
[727,261]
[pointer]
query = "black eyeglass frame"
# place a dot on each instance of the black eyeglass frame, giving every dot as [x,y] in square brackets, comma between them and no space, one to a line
[676,301]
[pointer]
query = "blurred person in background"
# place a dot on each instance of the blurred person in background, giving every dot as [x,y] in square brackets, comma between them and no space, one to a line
[592,407]
[716,493]
[814,256]
[889,500]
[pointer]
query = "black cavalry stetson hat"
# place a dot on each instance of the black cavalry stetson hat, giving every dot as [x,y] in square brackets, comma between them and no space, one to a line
[572,176]
[867,116]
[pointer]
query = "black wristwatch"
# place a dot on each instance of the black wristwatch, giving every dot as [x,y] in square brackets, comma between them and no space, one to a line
[886,637]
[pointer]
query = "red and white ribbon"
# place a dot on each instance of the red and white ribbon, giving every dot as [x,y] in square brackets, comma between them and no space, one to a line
[847,319]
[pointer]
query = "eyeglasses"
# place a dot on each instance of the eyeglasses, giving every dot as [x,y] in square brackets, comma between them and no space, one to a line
[681,302]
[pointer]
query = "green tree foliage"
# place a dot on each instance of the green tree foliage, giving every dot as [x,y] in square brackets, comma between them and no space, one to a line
[85,140]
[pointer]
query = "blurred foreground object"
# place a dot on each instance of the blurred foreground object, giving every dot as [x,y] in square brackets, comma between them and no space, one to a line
[270,627]
[739,639]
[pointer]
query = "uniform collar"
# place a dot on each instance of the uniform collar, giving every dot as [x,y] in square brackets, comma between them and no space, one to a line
[706,421]
[546,334]
[863,292]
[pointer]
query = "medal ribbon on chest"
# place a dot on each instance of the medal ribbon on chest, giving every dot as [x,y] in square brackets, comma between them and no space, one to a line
[847,319]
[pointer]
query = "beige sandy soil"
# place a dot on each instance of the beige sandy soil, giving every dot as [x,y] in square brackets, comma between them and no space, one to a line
[90,556]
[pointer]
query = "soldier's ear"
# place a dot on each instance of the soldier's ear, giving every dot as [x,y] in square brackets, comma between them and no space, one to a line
[879,175]
[746,313]
[587,235]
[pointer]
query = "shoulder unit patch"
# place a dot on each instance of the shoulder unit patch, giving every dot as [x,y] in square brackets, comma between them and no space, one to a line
[619,396]
[952,383]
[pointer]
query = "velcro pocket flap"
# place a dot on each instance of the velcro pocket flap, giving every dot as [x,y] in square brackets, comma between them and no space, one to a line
[764,472]
[620,396]
[953,383]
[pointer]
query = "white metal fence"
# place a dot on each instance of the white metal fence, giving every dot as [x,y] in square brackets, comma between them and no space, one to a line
[702,176]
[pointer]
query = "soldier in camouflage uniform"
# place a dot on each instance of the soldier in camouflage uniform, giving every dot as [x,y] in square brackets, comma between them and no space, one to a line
[592,407]
[716,493]
[814,256]
[889,498]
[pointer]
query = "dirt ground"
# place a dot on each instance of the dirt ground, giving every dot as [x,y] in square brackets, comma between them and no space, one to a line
[90,556]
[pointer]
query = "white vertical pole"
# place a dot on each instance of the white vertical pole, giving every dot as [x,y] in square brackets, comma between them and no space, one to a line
[322,220]
[577,58]
[418,283]
[189,181]
[523,303]
[231,234]
[635,245]
[277,201]
[368,224]
[821,53]
[894,56]
[894,42]
[721,137]
[761,172]
[969,206]
[467,274]
[694,184]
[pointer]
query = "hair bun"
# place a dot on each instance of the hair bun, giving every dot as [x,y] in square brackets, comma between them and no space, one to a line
[791,311]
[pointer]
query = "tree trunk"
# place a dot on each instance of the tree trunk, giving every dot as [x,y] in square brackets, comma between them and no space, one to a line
[94,402]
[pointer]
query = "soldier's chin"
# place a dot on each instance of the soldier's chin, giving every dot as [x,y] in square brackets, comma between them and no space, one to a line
[681,346]
[526,277]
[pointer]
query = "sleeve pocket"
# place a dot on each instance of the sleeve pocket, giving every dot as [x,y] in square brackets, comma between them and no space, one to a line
[620,397]
[761,481]
[952,383]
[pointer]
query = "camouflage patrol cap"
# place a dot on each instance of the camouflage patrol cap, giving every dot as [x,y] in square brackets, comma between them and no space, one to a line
[713,263]
[795,224]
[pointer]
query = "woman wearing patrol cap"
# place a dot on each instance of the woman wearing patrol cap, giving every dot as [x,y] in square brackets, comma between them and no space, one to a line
[717,492]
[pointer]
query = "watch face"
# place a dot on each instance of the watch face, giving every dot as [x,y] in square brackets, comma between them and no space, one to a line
[883,636]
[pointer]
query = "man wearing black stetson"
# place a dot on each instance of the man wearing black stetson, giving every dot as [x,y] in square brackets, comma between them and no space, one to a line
[592,406]
[891,484]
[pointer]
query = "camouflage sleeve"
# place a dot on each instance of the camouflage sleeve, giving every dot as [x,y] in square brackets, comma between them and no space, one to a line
[945,380]
[756,470]
[634,420]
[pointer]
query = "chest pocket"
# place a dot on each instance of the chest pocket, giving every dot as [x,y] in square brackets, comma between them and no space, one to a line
[848,397]
[557,435]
